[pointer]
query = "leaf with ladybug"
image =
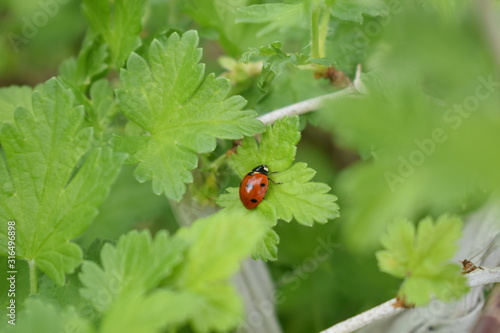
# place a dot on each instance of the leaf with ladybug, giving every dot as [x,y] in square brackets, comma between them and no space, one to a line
[290,192]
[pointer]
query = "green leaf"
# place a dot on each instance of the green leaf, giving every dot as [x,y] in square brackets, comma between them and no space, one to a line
[267,249]
[422,257]
[137,262]
[399,243]
[12,97]
[276,62]
[218,244]
[279,16]
[130,288]
[135,312]
[305,201]
[52,181]
[296,197]
[119,24]
[211,310]
[44,317]
[182,112]
[208,259]
[353,10]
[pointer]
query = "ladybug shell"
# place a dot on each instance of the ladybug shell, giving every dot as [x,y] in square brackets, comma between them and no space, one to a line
[253,188]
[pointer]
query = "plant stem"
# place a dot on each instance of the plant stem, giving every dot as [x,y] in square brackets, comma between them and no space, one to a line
[315,33]
[33,277]
[320,17]
[323,32]
[478,277]
[354,323]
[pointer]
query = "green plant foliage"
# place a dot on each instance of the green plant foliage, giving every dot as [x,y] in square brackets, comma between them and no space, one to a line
[414,129]
[420,139]
[47,187]
[118,23]
[224,239]
[171,280]
[296,197]
[44,317]
[421,257]
[181,111]
[217,20]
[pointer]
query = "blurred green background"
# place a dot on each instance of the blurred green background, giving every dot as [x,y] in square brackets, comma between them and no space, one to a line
[425,140]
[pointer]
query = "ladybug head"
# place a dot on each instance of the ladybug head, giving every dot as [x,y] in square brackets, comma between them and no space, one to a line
[261,169]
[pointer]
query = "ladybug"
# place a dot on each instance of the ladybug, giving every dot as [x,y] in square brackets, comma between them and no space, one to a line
[254,185]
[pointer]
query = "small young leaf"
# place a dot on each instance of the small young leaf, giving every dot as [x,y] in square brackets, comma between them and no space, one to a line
[275,63]
[182,112]
[52,182]
[119,24]
[421,258]
[296,197]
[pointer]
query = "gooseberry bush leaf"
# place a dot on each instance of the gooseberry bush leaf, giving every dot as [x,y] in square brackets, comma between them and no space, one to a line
[53,180]
[180,111]
[296,197]
[421,256]
[146,284]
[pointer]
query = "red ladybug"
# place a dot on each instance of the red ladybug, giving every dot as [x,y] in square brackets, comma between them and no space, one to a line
[253,186]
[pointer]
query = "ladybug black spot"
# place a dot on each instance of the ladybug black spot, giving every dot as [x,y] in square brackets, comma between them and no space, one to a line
[262,185]
[254,200]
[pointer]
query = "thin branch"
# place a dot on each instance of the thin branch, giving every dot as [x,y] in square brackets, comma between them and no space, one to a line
[478,277]
[483,275]
[352,324]
[313,103]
